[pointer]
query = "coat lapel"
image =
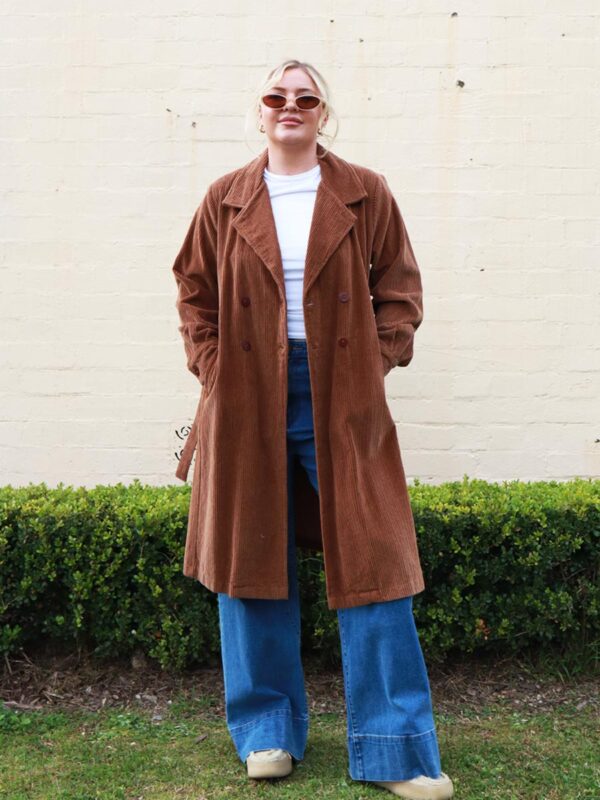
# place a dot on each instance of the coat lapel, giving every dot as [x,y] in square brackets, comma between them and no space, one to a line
[331,220]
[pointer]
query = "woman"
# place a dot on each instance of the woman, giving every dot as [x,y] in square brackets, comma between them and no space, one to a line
[298,293]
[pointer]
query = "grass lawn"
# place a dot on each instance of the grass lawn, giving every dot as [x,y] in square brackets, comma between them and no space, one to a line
[117,755]
[525,744]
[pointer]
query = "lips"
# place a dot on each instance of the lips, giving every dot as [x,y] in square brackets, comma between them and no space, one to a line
[290,120]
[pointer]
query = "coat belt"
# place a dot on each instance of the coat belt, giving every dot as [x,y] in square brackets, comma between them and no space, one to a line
[188,450]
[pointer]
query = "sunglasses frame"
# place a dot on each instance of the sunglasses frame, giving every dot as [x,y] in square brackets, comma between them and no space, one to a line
[284,98]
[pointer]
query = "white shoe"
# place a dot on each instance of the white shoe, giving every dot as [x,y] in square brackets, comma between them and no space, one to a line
[272,763]
[421,787]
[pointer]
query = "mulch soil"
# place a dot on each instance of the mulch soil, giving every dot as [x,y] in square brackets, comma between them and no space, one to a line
[51,679]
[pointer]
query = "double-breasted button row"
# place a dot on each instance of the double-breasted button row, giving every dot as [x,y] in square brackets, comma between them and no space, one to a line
[342,296]
[342,341]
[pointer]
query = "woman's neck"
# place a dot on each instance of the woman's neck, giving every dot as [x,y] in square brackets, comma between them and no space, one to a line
[289,161]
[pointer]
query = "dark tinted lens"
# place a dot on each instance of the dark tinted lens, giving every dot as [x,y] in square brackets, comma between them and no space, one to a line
[274,100]
[307,101]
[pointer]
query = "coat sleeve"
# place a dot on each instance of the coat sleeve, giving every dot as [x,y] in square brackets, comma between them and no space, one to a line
[197,303]
[394,282]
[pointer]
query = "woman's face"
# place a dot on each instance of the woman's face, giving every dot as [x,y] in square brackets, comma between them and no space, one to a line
[294,82]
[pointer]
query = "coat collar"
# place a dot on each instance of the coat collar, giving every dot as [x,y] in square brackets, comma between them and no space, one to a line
[336,173]
[332,219]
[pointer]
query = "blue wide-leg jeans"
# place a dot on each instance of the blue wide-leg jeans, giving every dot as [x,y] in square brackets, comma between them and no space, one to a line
[391,734]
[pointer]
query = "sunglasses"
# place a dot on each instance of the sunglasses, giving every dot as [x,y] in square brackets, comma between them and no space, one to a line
[303,101]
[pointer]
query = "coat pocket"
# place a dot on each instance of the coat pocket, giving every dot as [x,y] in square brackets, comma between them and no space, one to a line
[386,361]
[211,377]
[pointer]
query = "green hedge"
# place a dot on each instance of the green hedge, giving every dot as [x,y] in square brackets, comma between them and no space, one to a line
[506,566]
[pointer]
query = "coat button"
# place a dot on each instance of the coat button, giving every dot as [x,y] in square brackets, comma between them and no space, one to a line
[344,297]
[246,345]
[343,341]
[245,301]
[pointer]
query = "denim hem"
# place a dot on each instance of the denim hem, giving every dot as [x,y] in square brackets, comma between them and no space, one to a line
[394,758]
[271,730]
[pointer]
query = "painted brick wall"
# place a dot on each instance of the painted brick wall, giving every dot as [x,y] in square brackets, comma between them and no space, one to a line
[114,118]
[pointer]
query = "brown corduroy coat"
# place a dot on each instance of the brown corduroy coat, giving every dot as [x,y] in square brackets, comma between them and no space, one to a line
[362,299]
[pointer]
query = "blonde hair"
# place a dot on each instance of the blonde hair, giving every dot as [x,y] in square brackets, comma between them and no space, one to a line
[275,75]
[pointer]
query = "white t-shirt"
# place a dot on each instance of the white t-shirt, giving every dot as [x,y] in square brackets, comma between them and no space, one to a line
[293,201]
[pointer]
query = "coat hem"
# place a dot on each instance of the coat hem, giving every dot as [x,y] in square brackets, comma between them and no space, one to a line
[334,601]
[250,592]
[338,601]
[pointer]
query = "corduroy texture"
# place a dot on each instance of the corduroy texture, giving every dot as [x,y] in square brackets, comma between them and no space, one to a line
[362,302]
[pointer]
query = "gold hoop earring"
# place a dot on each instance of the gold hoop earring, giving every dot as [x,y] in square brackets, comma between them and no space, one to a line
[261,129]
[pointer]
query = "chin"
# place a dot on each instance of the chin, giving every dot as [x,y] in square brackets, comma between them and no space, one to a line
[291,138]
